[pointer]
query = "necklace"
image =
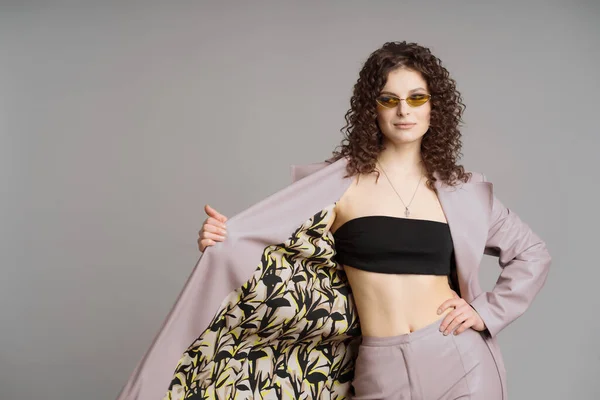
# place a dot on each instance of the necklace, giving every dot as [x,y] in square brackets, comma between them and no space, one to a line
[406,211]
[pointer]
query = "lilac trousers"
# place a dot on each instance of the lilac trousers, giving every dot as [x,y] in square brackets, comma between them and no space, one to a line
[426,365]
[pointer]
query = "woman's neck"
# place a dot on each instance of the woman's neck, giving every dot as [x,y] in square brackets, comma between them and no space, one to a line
[402,162]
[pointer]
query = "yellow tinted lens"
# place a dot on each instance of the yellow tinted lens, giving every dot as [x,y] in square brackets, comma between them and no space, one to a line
[388,101]
[416,100]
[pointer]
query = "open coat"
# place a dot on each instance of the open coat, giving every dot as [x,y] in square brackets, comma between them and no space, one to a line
[268,313]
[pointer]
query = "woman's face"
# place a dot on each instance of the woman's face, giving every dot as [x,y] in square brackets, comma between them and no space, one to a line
[402,83]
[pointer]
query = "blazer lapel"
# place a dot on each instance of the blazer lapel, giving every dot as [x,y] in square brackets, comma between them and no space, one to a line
[467,208]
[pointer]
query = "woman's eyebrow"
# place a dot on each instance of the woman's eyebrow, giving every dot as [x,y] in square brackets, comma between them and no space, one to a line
[410,91]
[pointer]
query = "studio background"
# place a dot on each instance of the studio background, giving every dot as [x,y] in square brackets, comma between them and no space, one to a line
[120,120]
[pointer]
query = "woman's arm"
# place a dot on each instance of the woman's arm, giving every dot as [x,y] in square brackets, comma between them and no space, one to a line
[525,262]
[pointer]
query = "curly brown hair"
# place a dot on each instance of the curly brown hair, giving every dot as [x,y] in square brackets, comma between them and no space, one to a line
[441,144]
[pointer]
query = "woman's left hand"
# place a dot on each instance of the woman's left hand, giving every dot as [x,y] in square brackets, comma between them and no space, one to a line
[462,317]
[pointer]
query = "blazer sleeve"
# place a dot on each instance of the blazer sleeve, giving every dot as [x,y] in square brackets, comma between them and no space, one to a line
[525,262]
[303,170]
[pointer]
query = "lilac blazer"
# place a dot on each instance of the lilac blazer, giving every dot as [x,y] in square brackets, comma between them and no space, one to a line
[268,312]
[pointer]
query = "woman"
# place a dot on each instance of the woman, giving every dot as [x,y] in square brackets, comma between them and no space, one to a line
[420,339]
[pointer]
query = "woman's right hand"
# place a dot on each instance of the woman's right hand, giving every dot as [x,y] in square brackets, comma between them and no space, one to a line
[213,229]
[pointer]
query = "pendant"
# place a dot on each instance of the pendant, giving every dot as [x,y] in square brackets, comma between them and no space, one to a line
[406,212]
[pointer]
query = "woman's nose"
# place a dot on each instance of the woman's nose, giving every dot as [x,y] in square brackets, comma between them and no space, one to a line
[402,108]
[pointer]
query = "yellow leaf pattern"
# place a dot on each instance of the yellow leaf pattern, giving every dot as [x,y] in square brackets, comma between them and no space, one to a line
[291,331]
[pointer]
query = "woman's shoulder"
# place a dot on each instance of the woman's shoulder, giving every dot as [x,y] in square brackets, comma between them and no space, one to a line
[476,177]
[472,177]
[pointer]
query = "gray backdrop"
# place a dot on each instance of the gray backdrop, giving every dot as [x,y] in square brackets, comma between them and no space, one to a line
[120,120]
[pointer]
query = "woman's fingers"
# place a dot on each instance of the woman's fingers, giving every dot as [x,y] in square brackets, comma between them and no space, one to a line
[449,318]
[213,236]
[453,302]
[460,318]
[209,235]
[211,212]
[214,226]
[213,229]
[204,243]
[463,317]
[469,323]
[209,239]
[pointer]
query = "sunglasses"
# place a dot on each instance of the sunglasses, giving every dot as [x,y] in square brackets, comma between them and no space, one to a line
[391,101]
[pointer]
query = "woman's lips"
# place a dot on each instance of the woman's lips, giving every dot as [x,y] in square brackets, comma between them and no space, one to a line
[404,126]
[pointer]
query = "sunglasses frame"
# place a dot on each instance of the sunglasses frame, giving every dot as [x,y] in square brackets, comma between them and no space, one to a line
[399,100]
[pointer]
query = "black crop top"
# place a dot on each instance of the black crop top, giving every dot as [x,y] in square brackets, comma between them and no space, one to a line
[395,245]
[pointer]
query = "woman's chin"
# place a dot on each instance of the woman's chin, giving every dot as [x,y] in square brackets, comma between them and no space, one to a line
[403,138]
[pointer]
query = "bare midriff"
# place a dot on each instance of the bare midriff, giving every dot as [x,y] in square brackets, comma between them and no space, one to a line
[390,305]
